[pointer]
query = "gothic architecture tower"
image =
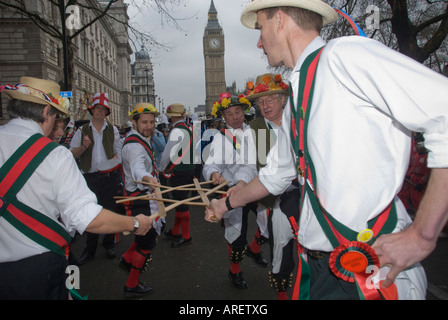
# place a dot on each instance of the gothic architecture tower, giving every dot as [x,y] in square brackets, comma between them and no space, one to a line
[213,43]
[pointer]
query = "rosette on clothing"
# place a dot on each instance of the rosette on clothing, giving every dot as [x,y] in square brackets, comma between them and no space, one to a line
[357,262]
[352,258]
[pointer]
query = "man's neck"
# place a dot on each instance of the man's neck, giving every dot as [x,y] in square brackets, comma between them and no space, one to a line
[299,44]
[277,121]
[98,123]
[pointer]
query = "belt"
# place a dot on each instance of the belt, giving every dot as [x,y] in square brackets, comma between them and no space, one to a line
[317,254]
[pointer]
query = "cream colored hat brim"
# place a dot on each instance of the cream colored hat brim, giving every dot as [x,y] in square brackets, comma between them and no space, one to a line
[174,114]
[249,15]
[176,110]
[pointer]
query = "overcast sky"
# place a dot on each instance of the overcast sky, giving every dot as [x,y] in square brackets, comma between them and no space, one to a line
[179,74]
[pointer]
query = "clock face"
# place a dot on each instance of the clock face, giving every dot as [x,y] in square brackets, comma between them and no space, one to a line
[214,43]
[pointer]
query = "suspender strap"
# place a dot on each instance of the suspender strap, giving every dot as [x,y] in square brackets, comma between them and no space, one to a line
[133,138]
[14,174]
[236,141]
[302,283]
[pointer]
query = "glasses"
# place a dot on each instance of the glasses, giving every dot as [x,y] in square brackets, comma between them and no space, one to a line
[266,101]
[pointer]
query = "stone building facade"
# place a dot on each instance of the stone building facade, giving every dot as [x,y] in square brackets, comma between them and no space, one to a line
[101,55]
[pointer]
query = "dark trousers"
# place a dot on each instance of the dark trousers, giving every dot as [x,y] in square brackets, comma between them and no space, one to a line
[325,285]
[40,277]
[241,241]
[105,187]
[149,240]
[181,178]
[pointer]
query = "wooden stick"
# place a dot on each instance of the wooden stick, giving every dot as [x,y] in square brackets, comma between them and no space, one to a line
[151,197]
[201,192]
[201,189]
[126,199]
[172,188]
[168,189]
[185,187]
[161,207]
[180,202]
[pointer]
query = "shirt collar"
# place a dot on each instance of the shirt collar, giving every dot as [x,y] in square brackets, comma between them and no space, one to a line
[30,126]
[104,125]
[243,127]
[133,131]
[180,121]
[273,124]
[317,43]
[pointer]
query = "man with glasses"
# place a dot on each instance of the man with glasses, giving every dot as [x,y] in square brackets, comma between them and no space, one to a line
[270,94]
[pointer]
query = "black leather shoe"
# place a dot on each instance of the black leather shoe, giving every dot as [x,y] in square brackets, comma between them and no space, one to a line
[172,236]
[238,280]
[181,242]
[139,290]
[126,266]
[110,253]
[257,257]
[85,257]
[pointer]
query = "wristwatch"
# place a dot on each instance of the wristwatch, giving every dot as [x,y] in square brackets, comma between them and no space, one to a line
[136,224]
[229,207]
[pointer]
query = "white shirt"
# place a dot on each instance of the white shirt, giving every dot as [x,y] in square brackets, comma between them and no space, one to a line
[233,165]
[136,163]
[367,101]
[98,153]
[56,189]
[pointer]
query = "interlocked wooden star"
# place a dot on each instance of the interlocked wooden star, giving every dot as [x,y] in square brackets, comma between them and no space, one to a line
[158,195]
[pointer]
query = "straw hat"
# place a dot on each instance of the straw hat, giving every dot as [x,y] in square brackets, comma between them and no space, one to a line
[249,15]
[265,85]
[45,92]
[175,110]
[226,100]
[102,99]
[144,107]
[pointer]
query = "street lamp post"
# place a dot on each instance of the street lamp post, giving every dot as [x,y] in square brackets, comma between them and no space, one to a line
[64,44]
[147,83]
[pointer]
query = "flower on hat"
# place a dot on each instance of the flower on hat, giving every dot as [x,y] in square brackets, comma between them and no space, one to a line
[226,100]
[147,108]
[268,83]
[64,102]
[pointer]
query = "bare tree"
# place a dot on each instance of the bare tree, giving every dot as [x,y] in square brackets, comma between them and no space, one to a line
[416,28]
[97,10]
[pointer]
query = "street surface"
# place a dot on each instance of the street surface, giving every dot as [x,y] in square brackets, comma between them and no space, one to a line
[199,271]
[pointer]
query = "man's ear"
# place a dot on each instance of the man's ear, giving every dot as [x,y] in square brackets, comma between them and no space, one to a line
[45,111]
[280,17]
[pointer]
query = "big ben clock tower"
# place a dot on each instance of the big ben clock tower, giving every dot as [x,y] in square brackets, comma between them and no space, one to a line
[213,42]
